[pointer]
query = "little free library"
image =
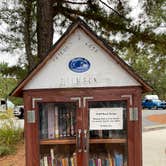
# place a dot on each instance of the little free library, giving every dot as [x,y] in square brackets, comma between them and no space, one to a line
[82,105]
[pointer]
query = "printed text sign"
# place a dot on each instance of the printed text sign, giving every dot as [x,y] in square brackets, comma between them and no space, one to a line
[106,118]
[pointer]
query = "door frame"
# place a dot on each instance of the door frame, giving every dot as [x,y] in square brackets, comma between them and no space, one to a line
[131,94]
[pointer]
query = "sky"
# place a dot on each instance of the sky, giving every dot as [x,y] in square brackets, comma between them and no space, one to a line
[12,60]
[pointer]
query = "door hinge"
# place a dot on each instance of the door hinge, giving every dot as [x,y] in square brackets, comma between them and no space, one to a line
[133,113]
[31,116]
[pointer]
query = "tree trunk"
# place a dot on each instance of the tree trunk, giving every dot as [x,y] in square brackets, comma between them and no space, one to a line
[27,34]
[44,26]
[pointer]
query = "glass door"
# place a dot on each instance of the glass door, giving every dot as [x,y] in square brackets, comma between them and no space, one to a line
[107,133]
[58,126]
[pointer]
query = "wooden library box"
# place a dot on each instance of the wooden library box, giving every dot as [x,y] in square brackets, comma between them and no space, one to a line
[82,105]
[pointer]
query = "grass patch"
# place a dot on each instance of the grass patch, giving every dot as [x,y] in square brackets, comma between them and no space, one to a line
[6,150]
[7,114]
[10,136]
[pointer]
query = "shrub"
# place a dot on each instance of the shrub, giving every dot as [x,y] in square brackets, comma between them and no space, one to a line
[5,150]
[10,135]
[6,115]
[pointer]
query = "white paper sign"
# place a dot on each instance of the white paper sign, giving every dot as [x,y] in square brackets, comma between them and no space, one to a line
[106,118]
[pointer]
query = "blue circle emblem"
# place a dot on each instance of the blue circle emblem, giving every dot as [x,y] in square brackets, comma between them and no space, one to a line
[79,65]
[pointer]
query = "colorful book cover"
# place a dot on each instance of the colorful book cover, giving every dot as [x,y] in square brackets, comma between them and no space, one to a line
[90,162]
[99,162]
[110,159]
[51,121]
[49,161]
[56,122]
[118,159]
[63,162]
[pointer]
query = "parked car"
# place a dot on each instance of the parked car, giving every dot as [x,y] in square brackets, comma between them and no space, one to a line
[153,102]
[19,111]
[5,104]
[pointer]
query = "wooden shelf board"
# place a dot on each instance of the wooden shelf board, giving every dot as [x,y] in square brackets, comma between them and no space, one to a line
[108,140]
[58,141]
[73,141]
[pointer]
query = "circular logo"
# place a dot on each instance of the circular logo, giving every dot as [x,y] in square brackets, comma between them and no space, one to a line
[79,65]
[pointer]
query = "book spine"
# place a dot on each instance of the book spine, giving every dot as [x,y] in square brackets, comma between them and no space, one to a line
[75,159]
[60,120]
[64,124]
[41,162]
[45,161]
[72,161]
[52,156]
[56,123]
[99,162]
[118,159]
[72,125]
[68,122]
[49,161]
[100,132]
[44,122]
[51,122]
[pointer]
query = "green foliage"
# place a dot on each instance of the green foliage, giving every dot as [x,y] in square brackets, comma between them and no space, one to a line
[6,85]
[10,136]
[9,78]
[141,43]
[6,150]
[6,115]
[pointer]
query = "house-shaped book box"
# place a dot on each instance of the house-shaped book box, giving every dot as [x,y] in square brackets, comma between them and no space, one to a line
[82,105]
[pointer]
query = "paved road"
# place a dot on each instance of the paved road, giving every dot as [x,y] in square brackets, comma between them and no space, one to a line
[154,148]
[146,113]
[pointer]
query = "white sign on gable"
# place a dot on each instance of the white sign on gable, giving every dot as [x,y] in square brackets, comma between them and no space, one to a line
[80,62]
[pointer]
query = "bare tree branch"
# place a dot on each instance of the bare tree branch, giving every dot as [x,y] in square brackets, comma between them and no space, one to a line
[76,3]
[113,10]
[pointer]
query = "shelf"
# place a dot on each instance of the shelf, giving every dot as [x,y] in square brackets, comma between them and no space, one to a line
[73,141]
[58,141]
[107,140]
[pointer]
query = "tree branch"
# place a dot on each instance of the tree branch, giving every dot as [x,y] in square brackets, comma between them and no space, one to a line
[76,3]
[113,10]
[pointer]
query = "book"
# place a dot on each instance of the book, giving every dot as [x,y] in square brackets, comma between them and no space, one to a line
[49,160]
[68,122]
[60,121]
[41,162]
[74,159]
[56,123]
[64,124]
[72,123]
[118,159]
[45,161]
[51,132]
[52,156]
[43,122]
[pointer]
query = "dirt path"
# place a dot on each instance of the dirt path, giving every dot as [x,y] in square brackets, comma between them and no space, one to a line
[14,160]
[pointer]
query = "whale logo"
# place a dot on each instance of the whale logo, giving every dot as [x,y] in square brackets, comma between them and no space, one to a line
[79,65]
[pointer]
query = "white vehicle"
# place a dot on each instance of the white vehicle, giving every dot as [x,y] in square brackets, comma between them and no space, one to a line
[4,106]
[151,97]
